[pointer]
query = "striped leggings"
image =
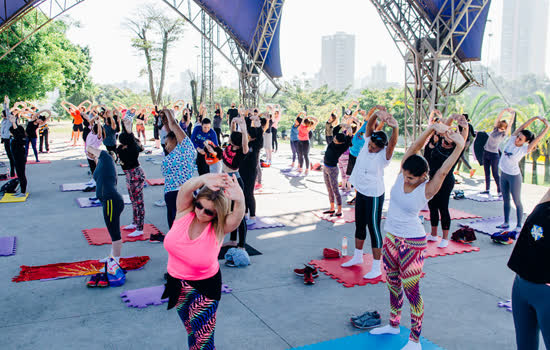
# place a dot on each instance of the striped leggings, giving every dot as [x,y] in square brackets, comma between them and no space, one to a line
[368,212]
[135,180]
[198,314]
[330,175]
[403,262]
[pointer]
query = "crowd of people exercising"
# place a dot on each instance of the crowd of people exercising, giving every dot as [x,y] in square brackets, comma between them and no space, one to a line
[201,209]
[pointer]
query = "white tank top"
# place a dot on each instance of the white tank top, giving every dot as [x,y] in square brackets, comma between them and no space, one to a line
[402,219]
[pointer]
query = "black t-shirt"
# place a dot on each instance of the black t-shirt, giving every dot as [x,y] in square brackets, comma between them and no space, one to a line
[252,159]
[233,158]
[233,113]
[334,151]
[129,155]
[19,136]
[531,256]
[140,117]
[31,130]
[436,156]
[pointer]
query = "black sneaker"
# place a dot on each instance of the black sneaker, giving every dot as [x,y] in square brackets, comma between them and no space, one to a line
[156,238]
[89,189]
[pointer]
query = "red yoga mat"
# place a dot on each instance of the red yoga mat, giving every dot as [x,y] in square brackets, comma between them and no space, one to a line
[82,165]
[455,214]
[453,248]
[348,215]
[40,162]
[100,236]
[74,269]
[155,182]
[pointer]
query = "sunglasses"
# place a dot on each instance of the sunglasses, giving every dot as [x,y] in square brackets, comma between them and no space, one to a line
[208,212]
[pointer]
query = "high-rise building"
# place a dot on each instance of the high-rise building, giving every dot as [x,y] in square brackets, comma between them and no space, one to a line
[338,61]
[379,74]
[523,47]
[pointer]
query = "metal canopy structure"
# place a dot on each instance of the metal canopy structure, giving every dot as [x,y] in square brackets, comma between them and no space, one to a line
[437,39]
[245,32]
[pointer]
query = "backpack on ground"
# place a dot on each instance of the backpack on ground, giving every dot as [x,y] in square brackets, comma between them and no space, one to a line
[10,186]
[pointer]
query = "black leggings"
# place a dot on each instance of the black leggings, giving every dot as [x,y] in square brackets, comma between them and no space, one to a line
[92,165]
[171,209]
[44,138]
[112,208]
[294,148]
[439,204]
[248,177]
[274,143]
[303,153]
[202,167]
[219,134]
[7,147]
[490,163]
[20,158]
[242,229]
[368,212]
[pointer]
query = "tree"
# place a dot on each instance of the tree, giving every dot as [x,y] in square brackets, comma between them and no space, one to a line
[155,32]
[45,61]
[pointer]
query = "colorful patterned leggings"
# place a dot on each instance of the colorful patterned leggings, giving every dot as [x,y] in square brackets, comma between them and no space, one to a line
[403,262]
[343,166]
[135,180]
[198,314]
[330,175]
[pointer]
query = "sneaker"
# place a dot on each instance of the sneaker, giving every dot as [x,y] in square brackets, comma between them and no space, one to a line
[20,195]
[92,199]
[130,227]
[103,280]
[308,275]
[300,272]
[368,314]
[484,192]
[92,283]
[156,238]
[97,201]
[503,226]
[160,203]
[472,173]
[250,222]
[136,233]
[366,322]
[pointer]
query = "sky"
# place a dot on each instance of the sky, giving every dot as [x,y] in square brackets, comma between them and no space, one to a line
[303,24]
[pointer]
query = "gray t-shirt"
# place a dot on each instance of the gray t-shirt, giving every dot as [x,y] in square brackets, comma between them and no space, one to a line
[495,138]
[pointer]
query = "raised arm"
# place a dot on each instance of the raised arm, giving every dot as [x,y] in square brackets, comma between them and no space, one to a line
[233,192]
[501,114]
[185,196]
[244,132]
[173,125]
[315,122]
[524,126]
[540,136]
[421,140]
[433,186]
[390,120]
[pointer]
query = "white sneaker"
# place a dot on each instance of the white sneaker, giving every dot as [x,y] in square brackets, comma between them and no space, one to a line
[160,203]
[355,260]
[136,233]
[130,227]
[387,329]
[372,274]
[443,244]
[411,345]
[250,222]
[431,238]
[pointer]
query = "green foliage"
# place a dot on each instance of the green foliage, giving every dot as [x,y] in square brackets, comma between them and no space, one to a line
[45,61]
[225,96]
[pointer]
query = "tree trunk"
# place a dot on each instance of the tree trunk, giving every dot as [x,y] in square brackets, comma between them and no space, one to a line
[163,66]
[535,176]
[546,150]
[149,61]
[194,96]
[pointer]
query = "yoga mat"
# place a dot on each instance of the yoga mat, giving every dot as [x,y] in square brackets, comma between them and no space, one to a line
[489,225]
[455,214]
[7,246]
[348,215]
[82,165]
[507,305]
[478,197]
[249,249]
[365,340]
[155,182]
[85,202]
[262,223]
[40,162]
[74,269]
[270,190]
[143,297]
[453,248]
[11,198]
[73,187]
[100,236]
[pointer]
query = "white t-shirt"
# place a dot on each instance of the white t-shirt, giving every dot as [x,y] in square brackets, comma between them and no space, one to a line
[511,156]
[368,173]
[402,219]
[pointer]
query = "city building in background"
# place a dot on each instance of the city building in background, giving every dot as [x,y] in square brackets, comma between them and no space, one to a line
[524,34]
[338,61]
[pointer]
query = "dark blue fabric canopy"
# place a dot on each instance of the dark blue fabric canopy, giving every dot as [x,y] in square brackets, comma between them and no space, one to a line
[10,8]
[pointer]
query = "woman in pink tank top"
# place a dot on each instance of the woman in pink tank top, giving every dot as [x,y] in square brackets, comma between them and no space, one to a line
[193,243]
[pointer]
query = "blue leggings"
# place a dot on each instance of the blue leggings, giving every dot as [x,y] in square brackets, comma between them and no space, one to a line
[531,310]
[511,184]
[32,141]
[294,148]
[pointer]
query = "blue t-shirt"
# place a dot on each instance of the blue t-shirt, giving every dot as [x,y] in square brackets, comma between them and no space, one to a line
[179,165]
[198,137]
[358,141]
[294,133]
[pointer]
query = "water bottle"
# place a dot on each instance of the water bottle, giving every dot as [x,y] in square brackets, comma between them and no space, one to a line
[344,246]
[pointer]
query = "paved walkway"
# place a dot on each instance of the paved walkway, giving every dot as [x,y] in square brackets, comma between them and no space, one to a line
[269,308]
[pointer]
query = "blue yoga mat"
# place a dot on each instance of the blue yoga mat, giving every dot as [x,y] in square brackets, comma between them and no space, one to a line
[367,341]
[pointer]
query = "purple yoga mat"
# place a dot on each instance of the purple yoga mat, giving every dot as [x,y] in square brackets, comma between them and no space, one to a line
[141,298]
[478,197]
[73,187]
[489,225]
[7,246]
[264,223]
[85,202]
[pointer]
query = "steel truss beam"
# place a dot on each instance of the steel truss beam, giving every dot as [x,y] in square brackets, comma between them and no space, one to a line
[29,21]
[228,46]
[433,71]
[207,55]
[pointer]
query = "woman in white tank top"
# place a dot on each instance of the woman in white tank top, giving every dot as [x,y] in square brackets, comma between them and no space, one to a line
[405,240]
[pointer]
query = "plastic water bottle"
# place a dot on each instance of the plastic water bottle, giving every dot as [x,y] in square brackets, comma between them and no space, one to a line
[344,246]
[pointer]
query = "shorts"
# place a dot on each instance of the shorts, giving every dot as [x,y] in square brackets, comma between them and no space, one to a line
[351,164]
[140,128]
[78,127]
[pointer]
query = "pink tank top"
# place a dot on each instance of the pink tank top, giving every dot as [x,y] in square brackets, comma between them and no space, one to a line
[188,259]
[303,133]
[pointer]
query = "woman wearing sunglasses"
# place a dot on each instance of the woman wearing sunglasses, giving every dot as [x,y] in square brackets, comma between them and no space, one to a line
[368,179]
[405,239]
[436,153]
[193,244]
